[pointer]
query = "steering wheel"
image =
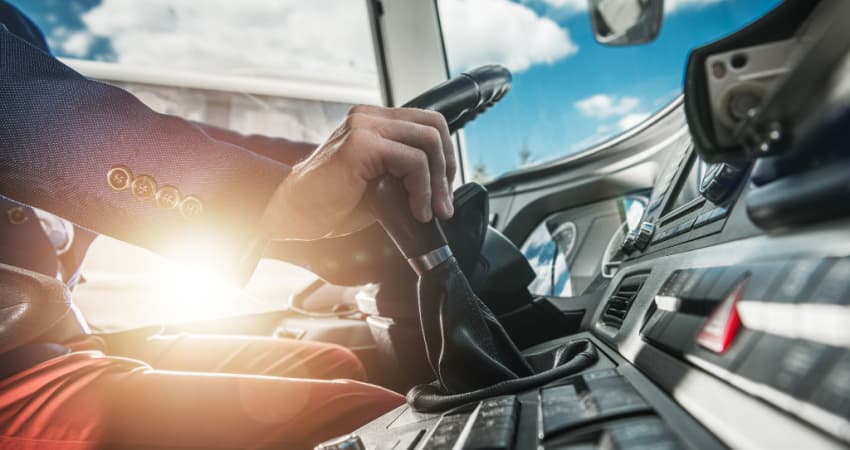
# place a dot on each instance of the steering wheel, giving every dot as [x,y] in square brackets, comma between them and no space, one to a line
[369,255]
[463,97]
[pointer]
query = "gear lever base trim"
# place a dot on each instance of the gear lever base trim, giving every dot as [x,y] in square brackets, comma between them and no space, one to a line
[426,262]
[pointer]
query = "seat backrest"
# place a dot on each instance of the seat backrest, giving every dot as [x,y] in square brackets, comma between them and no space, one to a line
[35,308]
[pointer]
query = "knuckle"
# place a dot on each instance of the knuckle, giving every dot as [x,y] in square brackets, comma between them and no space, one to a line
[438,119]
[451,157]
[355,120]
[431,114]
[421,159]
[451,164]
[357,137]
[358,109]
[423,193]
[433,137]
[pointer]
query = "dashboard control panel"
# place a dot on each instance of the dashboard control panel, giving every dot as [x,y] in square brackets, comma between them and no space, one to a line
[691,200]
[604,397]
[719,181]
[608,406]
[644,235]
[772,329]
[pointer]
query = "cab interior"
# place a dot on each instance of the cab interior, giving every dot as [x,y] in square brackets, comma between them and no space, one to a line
[703,251]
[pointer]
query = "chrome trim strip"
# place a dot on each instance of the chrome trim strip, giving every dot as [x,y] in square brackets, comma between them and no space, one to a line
[426,262]
[817,322]
[814,415]
[667,303]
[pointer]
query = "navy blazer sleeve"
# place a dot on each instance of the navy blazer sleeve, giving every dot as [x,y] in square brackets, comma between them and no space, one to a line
[281,150]
[62,135]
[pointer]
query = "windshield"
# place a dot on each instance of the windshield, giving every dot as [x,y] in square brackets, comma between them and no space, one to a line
[569,92]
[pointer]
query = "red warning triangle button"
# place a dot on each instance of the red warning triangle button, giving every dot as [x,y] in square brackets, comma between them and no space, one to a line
[718,333]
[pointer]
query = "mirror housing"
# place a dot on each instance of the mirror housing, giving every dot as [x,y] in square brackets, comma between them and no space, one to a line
[626,22]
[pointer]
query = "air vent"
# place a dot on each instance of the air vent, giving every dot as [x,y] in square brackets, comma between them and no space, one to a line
[621,300]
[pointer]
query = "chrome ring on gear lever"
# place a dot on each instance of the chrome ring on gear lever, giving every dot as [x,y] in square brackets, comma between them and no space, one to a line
[426,262]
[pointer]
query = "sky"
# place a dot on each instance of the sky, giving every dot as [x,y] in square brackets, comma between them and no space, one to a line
[568,91]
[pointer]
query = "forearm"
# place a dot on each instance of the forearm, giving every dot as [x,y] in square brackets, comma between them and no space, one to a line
[62,134]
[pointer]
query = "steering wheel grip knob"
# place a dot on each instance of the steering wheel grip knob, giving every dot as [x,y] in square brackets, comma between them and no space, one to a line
[463,97]
[423,244]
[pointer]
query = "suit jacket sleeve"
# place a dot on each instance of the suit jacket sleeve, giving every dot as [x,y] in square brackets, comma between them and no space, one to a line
[62,135]
[279,149]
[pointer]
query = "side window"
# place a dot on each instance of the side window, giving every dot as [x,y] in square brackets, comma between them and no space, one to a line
[564,248]
[284,68]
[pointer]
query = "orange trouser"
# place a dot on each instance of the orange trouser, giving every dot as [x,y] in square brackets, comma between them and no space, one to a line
[193,392]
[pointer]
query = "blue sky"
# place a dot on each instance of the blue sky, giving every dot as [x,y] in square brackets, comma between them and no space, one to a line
[568,91]
[541,111]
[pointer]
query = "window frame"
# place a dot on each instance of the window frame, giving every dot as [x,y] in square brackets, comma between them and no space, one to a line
[411,56]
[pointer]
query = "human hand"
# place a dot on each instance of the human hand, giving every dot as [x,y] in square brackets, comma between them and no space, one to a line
[323,194]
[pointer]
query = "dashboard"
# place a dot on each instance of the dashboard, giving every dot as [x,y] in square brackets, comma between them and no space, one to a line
[711,332]
[716,292]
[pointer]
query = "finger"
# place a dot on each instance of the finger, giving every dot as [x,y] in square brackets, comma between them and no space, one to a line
[411,165]
[443,196]
[428,140]
[439,122]
[421,116]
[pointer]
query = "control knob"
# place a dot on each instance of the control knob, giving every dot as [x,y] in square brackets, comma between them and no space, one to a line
[629,242]
[644,235]
[719,181]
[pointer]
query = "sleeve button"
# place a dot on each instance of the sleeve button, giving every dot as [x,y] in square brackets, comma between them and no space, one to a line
[119,178]
[167,197]
[143,187]
[191,207]
[17,215]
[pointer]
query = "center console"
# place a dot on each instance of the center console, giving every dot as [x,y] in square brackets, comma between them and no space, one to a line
[609,405]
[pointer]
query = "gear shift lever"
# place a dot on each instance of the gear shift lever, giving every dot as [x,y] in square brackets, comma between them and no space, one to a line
[423,244]
[466,346]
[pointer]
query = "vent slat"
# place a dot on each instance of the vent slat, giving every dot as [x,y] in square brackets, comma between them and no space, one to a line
[618,305]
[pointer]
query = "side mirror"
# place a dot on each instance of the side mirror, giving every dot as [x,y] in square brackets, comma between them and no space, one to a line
[626,22]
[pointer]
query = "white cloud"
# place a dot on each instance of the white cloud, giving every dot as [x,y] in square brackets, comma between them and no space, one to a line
[630,120]
[601,106]
[570,5]
[481,32]
[77,44]
[616,114]
[671,6]
[319,38]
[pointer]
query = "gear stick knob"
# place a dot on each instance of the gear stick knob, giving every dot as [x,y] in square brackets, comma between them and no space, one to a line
[466,346]
[423,244]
